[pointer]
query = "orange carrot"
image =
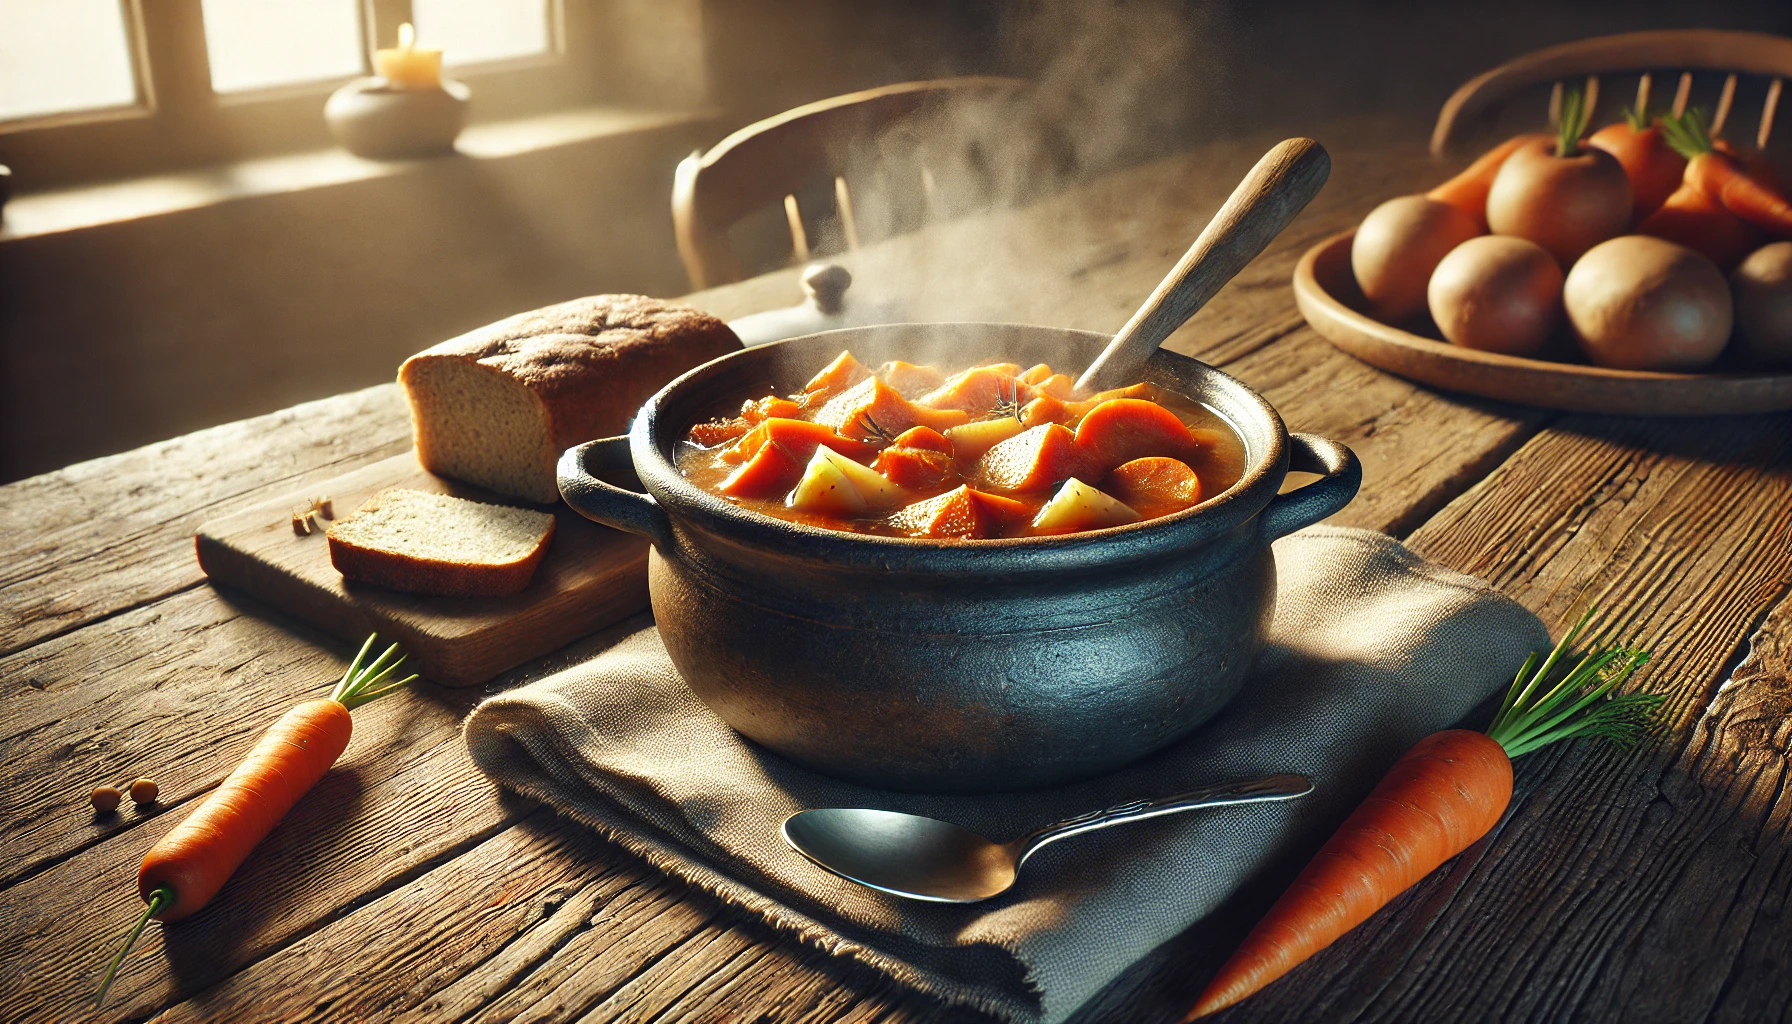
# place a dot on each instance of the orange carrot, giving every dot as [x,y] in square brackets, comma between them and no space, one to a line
[1721,175]
[1468,190]
[1446,792]
[1699,220]
[190,864]
[1755,162]
[194,860]
[1697,214]
[1653,167]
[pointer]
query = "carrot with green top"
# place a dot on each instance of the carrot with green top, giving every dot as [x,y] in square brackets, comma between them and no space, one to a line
[1445,793]
[1720,209]
[186,869]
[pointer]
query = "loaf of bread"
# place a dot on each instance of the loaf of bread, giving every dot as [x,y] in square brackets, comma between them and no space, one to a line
[497,406]
[424,543]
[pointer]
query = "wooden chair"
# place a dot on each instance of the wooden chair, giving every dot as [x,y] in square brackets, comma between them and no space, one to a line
[770,161]
[1688,51]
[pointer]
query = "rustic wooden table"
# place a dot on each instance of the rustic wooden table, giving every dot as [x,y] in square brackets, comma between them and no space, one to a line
[1653,884]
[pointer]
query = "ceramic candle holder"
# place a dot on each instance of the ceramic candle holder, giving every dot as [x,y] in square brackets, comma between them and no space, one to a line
[373,118]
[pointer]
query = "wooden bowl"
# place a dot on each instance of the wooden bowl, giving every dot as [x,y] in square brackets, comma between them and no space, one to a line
[1326,292]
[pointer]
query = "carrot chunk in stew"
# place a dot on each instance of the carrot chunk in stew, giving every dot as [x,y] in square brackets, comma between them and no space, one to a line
[842,373]
[1033,460]
[1123,429]
[800,437]
[1156,486]
[978,391]
[965,513]
[1042,410]
[874,410]
[920,458]
[771,471]
[913,468]
[1080,409]
[769,408]
[925,437]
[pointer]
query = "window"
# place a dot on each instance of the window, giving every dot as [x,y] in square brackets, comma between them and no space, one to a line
[483,31]
[106,89]
[254,44]
[63,57]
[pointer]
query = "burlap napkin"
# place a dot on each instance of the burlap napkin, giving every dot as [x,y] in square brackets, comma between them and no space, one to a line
[1372,648]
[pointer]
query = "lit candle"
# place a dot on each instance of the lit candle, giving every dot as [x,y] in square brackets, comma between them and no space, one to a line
[410,66]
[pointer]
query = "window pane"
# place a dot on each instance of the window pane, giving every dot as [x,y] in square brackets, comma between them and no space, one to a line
[253,44]
[475,31]
[62,56]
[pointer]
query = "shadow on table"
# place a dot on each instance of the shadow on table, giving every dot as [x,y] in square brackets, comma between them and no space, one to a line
[1761,441]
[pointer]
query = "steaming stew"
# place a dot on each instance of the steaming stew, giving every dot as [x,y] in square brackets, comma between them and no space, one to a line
[992,451]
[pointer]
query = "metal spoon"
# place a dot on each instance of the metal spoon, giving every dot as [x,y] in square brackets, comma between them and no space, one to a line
[927,859]
[1280,186]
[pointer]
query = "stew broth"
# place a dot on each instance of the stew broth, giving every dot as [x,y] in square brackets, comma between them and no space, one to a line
[991,451]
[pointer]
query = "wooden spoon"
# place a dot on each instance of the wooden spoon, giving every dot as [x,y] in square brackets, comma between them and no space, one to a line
[1278,188]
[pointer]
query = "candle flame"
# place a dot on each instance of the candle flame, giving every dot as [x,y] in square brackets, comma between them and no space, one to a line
[407,36]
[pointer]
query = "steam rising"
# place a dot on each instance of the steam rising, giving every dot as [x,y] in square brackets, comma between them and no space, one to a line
[1110,83]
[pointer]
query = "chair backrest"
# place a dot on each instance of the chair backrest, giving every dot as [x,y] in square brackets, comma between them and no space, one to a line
[768,161]
[1685,50]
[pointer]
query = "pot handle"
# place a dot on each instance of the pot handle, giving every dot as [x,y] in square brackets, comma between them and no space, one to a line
[1308,504]
[585,473]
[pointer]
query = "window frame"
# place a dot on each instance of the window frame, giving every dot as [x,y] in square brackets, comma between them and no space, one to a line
[178,122]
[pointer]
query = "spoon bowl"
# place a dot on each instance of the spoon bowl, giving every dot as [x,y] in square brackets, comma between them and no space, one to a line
[924,858]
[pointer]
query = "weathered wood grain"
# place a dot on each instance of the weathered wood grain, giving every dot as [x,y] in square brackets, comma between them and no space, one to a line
[403,797]
[506,904]
[1418,448]
[114,533]
[1623,886]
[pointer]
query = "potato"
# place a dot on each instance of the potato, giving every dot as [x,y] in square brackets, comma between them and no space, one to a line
[1497,294]
[1565,204]
[833,484]
[1763,289]
[1077,506]
[1398,246]
[1642,303]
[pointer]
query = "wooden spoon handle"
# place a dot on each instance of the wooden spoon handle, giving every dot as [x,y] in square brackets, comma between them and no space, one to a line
[1278,188]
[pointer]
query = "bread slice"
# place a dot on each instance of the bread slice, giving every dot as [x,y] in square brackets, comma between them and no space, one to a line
[497,406]
[424,543]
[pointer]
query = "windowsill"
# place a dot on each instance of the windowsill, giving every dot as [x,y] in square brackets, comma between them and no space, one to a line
[52,212]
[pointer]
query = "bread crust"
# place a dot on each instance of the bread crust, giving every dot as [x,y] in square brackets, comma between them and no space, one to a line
[592,362]
[436,577]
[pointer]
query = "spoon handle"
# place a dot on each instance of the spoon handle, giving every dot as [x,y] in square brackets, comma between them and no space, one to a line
[1270,787]
[1278,188]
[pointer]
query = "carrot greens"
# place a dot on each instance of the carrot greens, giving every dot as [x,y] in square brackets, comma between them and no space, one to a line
[1572,695]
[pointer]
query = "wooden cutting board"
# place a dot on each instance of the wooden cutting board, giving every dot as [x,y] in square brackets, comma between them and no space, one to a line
[592,576]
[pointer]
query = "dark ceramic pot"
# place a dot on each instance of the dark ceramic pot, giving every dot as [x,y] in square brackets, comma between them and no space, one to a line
[968,666]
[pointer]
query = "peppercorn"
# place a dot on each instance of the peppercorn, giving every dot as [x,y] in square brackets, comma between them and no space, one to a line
[144,791]
[105,799]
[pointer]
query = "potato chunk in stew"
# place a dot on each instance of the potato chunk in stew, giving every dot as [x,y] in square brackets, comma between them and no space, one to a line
[989,452]
[1077,506]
